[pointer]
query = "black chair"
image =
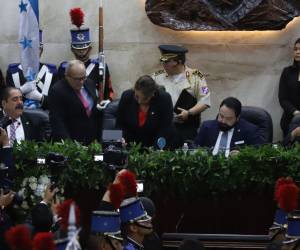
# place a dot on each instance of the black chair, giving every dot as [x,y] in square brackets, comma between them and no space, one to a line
[42,116]
[110,115]
[261,118]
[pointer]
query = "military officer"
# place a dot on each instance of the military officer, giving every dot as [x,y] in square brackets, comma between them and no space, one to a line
[81,48]
[188,89]
[35,92]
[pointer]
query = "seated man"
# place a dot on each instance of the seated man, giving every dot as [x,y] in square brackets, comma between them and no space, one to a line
[35,92]
[228,131]
[293,132]
[23,126]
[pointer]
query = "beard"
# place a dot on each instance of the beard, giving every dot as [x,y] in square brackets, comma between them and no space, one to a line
[225,127]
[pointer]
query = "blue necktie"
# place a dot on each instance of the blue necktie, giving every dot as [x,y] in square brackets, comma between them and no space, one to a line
[223,142]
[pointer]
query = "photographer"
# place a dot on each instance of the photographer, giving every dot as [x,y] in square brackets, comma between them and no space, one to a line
[7,170]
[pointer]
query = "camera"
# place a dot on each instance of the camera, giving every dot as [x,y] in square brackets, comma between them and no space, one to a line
[6,184]
[55,162]
[114,156]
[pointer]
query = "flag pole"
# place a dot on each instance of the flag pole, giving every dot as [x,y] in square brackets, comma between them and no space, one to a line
[101,54]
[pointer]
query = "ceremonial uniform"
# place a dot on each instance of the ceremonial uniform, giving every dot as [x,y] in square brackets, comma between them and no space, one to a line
[92,72]
[186,89]
[45,79]
[130,244]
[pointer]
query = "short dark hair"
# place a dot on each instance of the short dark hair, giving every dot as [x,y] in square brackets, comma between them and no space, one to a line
[146,85]
[232,103]
[6,92]
[191,244]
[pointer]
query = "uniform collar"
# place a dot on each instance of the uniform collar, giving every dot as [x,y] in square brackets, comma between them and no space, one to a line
[135,244]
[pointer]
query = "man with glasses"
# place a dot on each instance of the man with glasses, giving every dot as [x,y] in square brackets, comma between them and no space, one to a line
[228,132]
[187,87]
[72,104]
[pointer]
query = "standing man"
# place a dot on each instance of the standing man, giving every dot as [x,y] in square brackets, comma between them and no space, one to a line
[228,132]
[188,89]
[72,104]
[81,48]
[35,92]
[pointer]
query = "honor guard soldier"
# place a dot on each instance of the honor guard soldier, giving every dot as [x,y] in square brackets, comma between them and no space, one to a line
[187,87]
[136,223]
[81,48]
[35,92]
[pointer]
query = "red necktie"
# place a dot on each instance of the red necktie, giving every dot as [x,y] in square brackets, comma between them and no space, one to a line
[84,102]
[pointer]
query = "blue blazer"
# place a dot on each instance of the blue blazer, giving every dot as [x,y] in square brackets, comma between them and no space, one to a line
[245,133]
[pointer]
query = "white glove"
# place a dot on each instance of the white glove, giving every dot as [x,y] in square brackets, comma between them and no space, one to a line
[34,95]
[103,104]
[28,87]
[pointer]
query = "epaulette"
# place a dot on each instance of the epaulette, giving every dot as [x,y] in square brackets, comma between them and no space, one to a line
[13,68]
[52,68]
[198,73]
[159,72]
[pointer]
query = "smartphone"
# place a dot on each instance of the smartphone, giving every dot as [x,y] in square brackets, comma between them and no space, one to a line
[140,186]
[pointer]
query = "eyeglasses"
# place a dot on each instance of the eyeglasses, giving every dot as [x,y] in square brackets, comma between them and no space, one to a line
[79,79]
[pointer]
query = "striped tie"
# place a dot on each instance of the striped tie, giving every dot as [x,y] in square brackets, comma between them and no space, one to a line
[85,102]
[12,134]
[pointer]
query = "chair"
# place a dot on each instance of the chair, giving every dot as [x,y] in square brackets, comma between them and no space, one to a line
[110,115]
[42,117]
[261,118]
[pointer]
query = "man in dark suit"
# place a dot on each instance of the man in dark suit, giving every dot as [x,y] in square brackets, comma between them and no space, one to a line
[72,104]
[24,126]
[228,132]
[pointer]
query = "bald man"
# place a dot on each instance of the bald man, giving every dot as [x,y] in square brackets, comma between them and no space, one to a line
[72,105]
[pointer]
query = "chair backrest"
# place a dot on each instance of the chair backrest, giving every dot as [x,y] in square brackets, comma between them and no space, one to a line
[262,119]
[110,115]
[43,117]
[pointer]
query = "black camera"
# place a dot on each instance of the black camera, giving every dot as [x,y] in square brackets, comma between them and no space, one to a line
[114,156]
[56,163]
[7,184]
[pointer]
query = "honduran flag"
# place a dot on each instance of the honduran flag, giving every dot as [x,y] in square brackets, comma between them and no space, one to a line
[29,37]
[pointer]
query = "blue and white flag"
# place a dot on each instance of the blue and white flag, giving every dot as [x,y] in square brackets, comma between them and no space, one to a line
[29,37]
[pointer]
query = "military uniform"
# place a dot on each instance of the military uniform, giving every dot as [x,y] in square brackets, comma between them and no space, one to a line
[92,72]
[46,77]
[186,89]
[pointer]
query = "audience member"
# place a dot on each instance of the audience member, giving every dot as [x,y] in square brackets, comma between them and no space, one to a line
[35,92]
[81,48]
[228,132]
[188,89]
[145,113]
[72,105]
[24,126]
[289,90]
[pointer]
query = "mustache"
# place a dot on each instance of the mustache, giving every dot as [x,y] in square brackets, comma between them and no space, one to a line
[19,106]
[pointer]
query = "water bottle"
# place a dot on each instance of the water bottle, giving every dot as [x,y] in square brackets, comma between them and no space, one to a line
[185,147]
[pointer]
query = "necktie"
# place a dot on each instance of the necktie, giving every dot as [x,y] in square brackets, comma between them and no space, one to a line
[85,102]
[223,142]
[12,130]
